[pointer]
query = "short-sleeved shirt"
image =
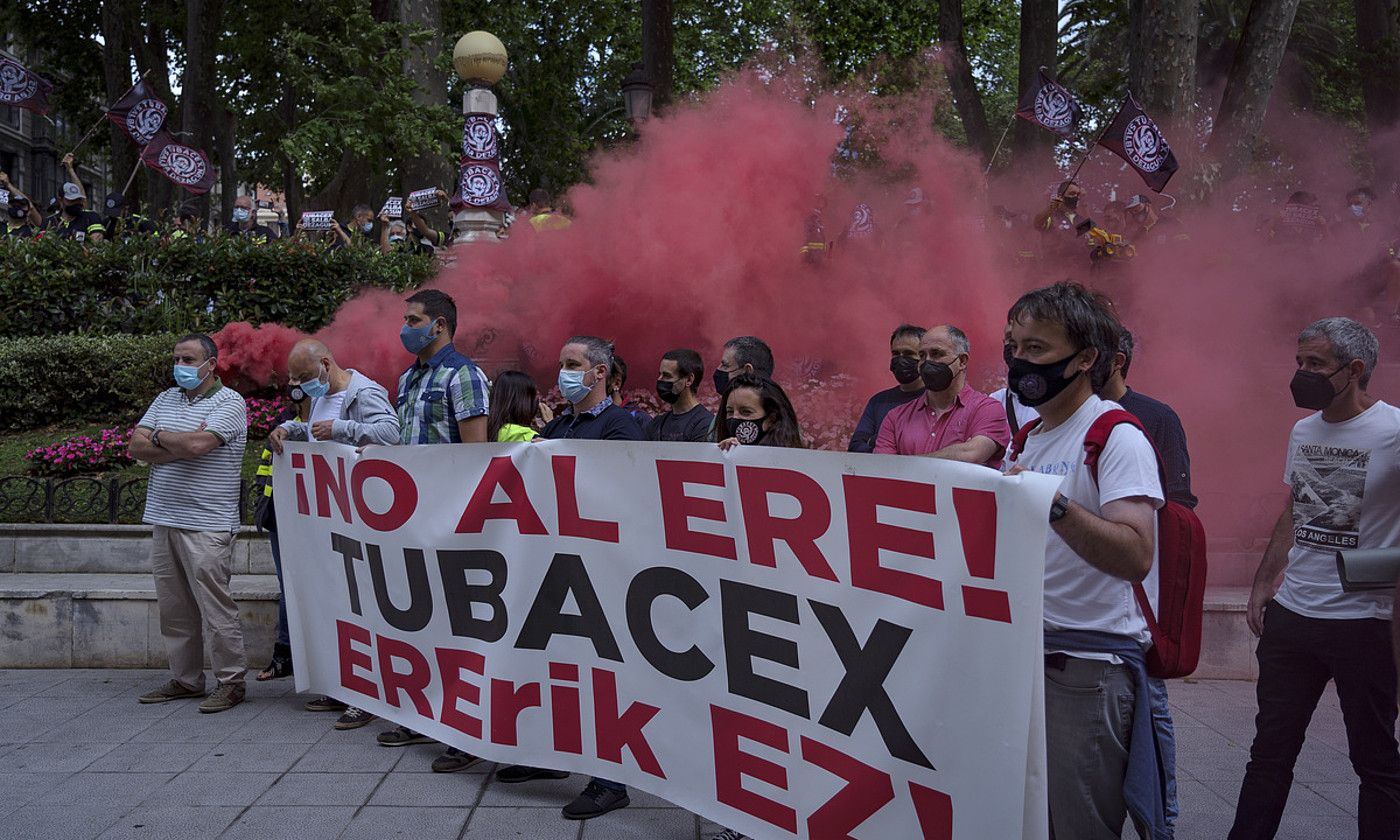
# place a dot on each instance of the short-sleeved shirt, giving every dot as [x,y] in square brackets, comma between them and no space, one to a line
[691,427]
[1345,483]
[915,429]
[82,226]
[433,397]
[198,494]
[1165,431]
[1077,595]
[876,410]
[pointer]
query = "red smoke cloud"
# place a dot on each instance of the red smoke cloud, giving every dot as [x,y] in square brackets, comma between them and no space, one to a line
[691,234]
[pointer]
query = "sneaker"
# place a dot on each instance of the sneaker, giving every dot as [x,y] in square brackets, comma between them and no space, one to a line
[729,834]
[325,704]
[516,773]
[225,697]
[173,690]
[595,801]
[402,736]
[354,718]
[454,760]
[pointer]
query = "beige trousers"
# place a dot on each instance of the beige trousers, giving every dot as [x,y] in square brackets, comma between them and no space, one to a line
[191,571]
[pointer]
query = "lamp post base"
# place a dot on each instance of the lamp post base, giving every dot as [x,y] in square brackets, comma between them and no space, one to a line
[477,226]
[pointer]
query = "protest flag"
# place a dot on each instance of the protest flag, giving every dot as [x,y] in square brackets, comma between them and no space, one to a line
[182,164]
[141,114]
[1050,105]
[1135,138]
[22,87]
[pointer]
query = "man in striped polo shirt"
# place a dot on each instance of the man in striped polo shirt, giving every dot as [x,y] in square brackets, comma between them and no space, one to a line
[442,398]
[193,435]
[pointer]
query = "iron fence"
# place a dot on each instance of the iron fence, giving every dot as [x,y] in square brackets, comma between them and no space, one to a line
[84,499]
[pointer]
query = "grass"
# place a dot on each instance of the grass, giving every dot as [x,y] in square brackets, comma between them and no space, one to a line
[16,501]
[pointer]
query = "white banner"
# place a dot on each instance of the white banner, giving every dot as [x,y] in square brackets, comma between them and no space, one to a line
[788,642]
[423,199]
[318,220]
[393,208]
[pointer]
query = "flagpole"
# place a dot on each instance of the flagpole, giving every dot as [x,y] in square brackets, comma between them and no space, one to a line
[1095,144]
[132,177]
[103,118]
[997,150]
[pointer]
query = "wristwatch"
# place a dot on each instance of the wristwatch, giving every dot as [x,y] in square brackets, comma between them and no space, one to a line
[1059,507]
[155,439]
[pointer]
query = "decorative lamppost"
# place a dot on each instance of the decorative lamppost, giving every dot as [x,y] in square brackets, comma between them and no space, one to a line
[479,201]
[637,91]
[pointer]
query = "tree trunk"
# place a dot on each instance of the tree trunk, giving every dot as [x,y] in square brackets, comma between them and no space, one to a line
[1378,47]
[1251,82]
[428,168]
[291,176]
[202,24]
[1162,37]
[659,49]
[1039,36]
[150,42]
[226,133]
[966,98]
[116,71]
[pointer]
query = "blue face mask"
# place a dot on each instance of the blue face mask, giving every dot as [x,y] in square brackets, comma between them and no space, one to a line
[240,214]
[187,376]
[315,388]
[416,338]
[572,387]
[1358,210]
[367,227]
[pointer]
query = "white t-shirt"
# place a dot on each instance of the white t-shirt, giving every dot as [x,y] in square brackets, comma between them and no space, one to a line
[1024,413]
[327,407]
[1345,481]
[1078,596]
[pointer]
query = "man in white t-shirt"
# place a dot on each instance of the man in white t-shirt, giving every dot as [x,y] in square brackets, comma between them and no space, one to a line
[1343,471]
[1100,742]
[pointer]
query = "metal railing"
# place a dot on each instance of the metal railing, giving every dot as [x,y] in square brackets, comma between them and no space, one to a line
[84,499]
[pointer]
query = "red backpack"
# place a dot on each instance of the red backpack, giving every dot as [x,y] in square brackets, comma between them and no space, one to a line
[1181,561]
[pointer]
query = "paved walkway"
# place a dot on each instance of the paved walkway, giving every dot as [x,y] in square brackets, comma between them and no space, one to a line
[80,759]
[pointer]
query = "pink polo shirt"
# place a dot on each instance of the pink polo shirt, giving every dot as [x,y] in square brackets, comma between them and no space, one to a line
[914,429]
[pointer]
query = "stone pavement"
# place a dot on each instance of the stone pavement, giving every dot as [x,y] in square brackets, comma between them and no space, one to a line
[80,759]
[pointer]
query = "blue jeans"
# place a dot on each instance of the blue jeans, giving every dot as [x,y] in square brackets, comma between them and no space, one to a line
[1166,742]
[284,637]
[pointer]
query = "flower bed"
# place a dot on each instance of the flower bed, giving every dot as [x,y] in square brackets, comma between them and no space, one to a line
[81,454]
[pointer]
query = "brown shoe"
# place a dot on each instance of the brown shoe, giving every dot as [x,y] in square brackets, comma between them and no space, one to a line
[173,690]
[225,697]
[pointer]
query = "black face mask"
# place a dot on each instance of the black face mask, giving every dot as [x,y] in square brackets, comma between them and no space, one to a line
[905,369]
[669,392]
[18,213]
[72,209]
[748,432]
[936,375]
[721,380]
[1314,391]
[1071,202]
[1035,384]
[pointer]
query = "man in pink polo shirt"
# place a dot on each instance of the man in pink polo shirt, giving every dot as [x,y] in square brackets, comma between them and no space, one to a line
[952,420]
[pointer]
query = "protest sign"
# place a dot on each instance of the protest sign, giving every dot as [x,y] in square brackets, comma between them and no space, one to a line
[423,199]
[393,208]
[4,198]
[318,220]
[788,642]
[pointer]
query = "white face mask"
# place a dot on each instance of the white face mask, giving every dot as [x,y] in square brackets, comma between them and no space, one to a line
[1358,210]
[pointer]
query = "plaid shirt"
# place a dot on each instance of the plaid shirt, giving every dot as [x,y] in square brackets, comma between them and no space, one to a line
[433,397]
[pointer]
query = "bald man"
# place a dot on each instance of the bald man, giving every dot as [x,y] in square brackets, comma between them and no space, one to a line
[346,406]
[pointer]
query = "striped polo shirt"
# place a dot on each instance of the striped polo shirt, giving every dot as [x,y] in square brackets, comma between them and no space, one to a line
[198,494]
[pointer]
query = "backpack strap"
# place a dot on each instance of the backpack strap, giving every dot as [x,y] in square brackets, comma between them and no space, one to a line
[1010,407]
[1094,443]
[1019,441]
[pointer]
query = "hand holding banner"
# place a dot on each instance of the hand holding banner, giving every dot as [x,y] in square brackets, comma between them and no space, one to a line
[690,621]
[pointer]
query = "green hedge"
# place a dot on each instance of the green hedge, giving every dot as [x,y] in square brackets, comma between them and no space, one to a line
[50,286]
[81,378]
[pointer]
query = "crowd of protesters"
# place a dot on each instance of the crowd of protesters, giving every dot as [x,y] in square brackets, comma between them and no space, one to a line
[1110,738]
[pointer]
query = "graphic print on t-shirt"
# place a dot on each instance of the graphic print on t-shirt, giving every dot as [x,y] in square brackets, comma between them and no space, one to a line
[1329,484]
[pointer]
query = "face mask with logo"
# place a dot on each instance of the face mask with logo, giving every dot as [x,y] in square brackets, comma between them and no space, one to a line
[1314,391]
[669,392]
[572,387]
[414,339]
[187,376]
[748,432]
[240,214]
[315,388]
[721,380]
[1035,384]
[936,375]
[905,369]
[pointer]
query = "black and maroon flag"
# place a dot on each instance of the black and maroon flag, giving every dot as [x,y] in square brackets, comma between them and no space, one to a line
[141,114]
[22,87]
[182,164]
[1050,105]
[1135,138]
[479,187]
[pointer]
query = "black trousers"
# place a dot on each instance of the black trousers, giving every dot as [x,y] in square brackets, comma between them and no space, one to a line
[1297,657]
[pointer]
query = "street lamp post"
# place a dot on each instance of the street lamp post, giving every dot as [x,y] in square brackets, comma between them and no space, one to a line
[637,91]
[480,59]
